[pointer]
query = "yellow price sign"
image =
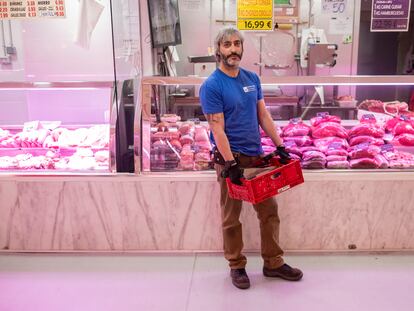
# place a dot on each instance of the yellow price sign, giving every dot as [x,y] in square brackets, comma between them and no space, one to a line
[255,24]
[255,14]
[254,8]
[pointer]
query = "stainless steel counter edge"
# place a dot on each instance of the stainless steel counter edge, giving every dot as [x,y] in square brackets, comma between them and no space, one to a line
[208,176]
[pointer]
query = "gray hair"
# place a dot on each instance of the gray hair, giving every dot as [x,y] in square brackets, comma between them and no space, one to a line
[224,34]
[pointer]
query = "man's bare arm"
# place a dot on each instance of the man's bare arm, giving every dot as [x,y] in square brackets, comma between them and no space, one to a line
[266,122]
[216,122]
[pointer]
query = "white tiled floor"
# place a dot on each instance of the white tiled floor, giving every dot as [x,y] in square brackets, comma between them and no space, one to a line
[197,282]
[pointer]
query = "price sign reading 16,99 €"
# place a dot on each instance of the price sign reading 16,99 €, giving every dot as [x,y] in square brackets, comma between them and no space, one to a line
[255,15]
[255,24]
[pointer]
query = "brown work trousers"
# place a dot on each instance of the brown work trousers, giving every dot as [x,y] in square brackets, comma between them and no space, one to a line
[232,228]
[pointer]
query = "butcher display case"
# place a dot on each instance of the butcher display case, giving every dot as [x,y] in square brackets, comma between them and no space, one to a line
[62,127]
[328,123]
[69,107]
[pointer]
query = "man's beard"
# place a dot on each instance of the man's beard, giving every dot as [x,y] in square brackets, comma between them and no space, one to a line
[226,58]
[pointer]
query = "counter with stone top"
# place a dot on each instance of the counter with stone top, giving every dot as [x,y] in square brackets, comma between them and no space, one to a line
[331,211]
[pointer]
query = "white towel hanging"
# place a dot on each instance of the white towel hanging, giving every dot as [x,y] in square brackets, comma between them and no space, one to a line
[89,13]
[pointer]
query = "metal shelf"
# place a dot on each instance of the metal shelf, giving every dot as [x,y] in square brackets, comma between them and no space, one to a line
[294,80]
[54,85]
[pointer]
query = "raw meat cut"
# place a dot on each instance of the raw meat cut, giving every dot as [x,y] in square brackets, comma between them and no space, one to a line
[165,135]
[401,163]
[339,152]
[406,139]
[8,163]
[202,146]
[366,130]
[389,125]
[176,144]
[403,127]
[187,158]
[336,158]
[186,128]
[364,151]
[325,118]
[202,156]
[313,155]
[337,164]
[381,161]
[325,143]
[393,107]
[327,129]
[186,139]
[300,141]
[296,129]
[170,118]
[266,141]
[201,134]
[363,163]
[313,164]
[294,150]
[308,148]
[356,140]
[295,156]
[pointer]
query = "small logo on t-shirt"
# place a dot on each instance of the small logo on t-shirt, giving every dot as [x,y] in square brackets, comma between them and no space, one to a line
[249,88]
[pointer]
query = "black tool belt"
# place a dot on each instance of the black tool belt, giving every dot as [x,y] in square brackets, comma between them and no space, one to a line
[218,158]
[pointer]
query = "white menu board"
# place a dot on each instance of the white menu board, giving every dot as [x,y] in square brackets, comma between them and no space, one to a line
[30,9]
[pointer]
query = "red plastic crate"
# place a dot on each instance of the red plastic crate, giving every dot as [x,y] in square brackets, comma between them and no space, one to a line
[267,185]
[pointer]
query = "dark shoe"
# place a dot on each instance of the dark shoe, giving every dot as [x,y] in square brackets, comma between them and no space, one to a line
[285,272]
[239,278]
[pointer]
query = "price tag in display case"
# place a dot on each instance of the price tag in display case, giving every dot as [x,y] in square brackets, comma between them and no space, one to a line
[295,121]
[30,9]
[335,146]
[368,118]
[323,115]
[404,118]
[289,143]
[387,148]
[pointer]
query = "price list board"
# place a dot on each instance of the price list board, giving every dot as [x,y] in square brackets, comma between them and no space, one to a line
[256,15]
[390,15]
[31,9]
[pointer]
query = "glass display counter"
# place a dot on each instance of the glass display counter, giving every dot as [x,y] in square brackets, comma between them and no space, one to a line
[62,127]
[338,122]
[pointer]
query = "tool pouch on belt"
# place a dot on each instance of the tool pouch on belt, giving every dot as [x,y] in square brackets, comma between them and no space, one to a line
[217,157]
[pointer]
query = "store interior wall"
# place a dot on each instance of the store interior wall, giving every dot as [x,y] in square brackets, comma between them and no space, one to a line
[45,48]
[201,20]
[12,36]
[360,51]
[46,52]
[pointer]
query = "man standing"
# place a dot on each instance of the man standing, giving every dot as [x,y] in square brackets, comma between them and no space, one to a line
[232,101]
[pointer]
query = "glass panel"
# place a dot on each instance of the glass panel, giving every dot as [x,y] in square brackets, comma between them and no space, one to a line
[329,125]
[127,53]
[56,92]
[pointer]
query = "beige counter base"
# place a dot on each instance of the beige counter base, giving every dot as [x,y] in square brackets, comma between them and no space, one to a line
[330,212]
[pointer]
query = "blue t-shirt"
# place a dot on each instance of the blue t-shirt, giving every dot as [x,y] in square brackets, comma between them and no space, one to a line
[237,99]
